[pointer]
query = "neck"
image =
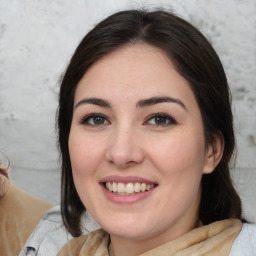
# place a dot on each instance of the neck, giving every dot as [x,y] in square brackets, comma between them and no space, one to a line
[130,247]
[202,241]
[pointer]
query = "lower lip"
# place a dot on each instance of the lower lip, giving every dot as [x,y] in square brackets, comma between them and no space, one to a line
[126,199]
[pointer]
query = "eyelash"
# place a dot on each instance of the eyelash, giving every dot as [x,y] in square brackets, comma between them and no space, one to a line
[85,120]
[168,120]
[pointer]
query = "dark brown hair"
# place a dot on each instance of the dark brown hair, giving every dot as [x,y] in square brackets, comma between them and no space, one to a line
[196,60]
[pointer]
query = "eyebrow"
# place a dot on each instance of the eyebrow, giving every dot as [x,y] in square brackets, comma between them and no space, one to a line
[142,103]
[157,100]
[94,101]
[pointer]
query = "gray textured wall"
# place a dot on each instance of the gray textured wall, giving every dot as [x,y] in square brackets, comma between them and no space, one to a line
[37,39]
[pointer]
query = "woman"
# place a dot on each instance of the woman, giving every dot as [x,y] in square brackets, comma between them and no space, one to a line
[146,137]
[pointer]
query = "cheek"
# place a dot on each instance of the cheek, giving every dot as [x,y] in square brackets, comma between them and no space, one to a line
[83,154]
[180,155]
[180,163]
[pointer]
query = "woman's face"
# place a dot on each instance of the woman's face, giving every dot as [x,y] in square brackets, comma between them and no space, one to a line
[137,145]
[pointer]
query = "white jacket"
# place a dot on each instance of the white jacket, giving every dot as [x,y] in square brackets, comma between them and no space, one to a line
[245,243]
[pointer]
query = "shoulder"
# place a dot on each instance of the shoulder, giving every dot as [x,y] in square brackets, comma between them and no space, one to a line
[51,235]
[245,243]
[24,202]
[20,213]
[94,243]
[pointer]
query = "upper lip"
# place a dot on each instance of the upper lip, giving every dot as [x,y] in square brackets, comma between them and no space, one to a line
[128,179]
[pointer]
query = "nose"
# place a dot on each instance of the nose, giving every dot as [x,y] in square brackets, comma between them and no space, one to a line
[124,149]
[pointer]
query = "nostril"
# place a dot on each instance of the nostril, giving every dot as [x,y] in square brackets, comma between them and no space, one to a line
[124,156]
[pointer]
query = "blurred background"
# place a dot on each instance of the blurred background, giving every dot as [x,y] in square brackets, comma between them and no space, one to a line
[37,39]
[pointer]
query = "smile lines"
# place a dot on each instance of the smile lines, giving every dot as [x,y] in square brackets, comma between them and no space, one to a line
[128,188]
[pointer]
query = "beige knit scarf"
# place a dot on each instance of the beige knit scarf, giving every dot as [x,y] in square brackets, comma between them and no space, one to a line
[215,239]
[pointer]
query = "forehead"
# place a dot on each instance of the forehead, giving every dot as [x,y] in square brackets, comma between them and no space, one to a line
[133,71]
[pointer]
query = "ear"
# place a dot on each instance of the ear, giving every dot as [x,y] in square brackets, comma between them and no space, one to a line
[214,154]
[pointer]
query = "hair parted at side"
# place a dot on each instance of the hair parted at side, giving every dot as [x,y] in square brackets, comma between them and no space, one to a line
[196,60]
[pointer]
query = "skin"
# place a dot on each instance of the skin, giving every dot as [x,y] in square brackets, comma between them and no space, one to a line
[131,141]
[4,181]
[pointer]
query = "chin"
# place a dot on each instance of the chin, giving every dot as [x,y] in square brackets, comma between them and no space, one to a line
[128,230]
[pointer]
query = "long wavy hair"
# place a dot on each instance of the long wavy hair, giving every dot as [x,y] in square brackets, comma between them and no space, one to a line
[195,60]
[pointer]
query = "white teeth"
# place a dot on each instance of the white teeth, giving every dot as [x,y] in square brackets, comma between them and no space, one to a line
[137,187]
[108,186]
[120,187]
[129,188]
[143,187]
[114,186]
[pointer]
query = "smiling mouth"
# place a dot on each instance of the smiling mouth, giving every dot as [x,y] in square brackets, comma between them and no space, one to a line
[130,188]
